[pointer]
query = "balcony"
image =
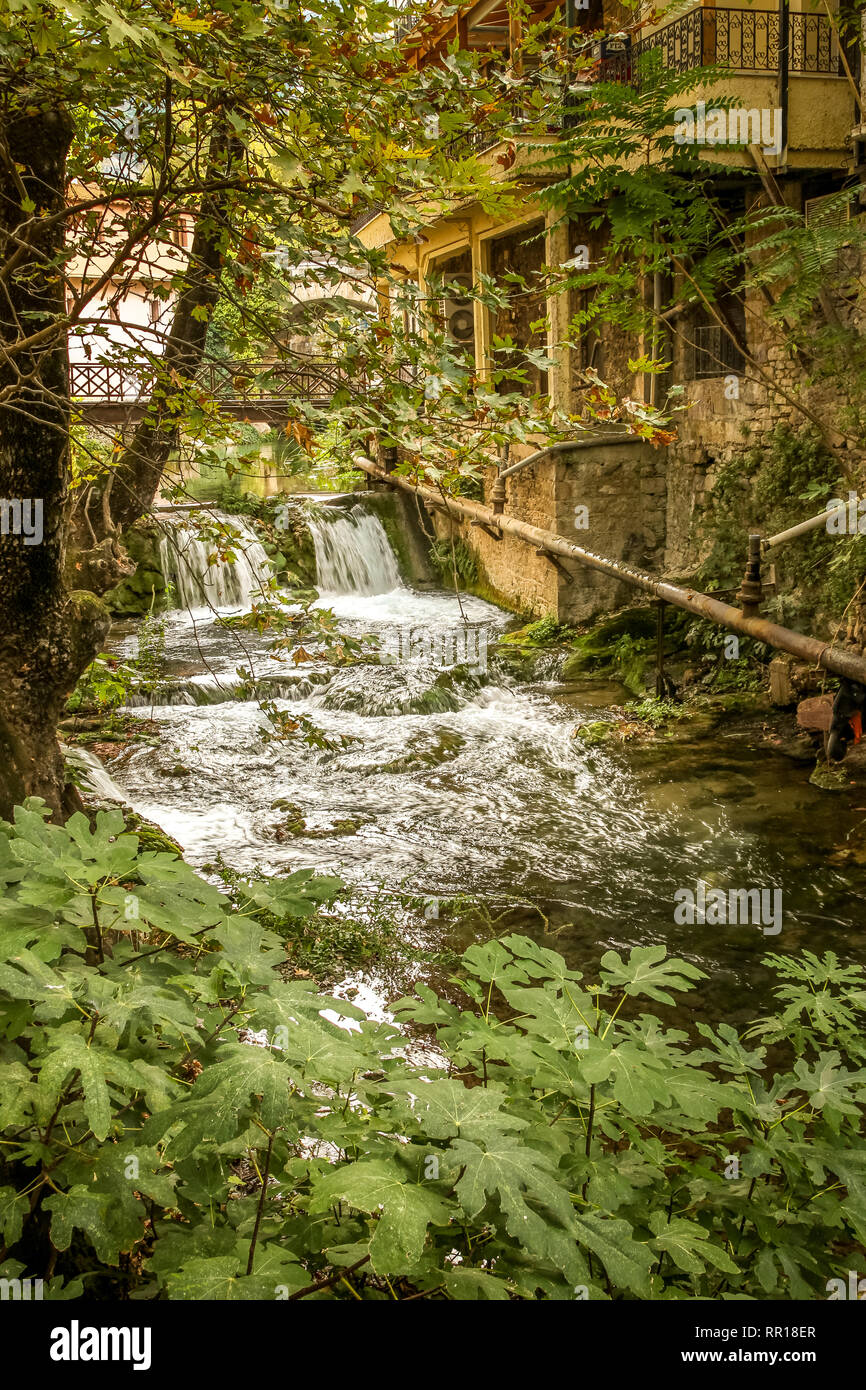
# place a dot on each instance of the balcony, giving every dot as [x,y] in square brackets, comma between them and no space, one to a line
[739,40]
[742,41]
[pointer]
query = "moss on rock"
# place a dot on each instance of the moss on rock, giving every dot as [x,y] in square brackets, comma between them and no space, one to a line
[145,588]
[621,644]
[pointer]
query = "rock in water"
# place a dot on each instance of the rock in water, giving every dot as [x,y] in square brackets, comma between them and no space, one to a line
[815,713]
[829,779]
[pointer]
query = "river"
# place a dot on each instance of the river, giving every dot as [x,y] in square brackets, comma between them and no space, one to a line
[479,788]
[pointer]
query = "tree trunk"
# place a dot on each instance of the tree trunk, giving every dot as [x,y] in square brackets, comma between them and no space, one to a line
[52,626]
[47,634]
[137,477]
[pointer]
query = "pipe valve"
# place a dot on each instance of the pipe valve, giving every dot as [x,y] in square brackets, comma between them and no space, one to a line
[751,590]
[497,496]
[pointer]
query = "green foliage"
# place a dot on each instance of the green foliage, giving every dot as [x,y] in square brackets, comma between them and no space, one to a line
[150,662]
[345,933]
[107,681]
[546,632]
[708,645]
[791,467]
[230,498]
[180,1121]
[469,485]
[103,686]
[454,556]
[790,476]
[657,713]
[630,656]
[800,261]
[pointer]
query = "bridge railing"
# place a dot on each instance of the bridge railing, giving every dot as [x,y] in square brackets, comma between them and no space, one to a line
[313,379]
[108,383]
[235,384]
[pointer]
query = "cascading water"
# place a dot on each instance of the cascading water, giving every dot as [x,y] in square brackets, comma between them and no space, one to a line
[92,773]
[353,554]
[200,583]
[441,783]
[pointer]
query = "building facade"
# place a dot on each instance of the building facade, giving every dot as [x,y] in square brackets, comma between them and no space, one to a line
[793,87]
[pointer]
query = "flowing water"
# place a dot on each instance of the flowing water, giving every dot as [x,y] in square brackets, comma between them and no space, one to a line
[184,554]
[461,783]
[353,555]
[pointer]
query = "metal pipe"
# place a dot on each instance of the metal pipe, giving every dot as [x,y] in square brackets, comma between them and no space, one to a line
[784,639]
[586,441]
[784,63]
[656,330]
[534,458]
[800,530]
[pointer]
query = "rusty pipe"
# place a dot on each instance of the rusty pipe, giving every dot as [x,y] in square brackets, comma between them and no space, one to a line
[810,649]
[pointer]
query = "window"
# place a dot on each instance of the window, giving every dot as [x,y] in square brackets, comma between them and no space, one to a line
[715,353]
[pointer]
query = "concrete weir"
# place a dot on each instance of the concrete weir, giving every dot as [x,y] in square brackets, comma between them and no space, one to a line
[550,546]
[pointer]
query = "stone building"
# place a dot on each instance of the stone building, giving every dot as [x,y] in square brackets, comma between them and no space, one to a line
[645,504]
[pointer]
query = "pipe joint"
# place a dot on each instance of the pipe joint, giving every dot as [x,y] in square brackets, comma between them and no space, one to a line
[751,590]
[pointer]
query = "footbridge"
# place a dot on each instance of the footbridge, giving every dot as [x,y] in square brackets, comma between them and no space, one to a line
[111,393]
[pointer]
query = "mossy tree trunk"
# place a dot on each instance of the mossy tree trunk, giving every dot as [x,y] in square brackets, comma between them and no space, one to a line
[52,619]
[47,634]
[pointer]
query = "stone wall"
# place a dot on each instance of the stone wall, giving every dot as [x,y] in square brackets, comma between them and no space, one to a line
[622,487]
[608,498]
[509,567]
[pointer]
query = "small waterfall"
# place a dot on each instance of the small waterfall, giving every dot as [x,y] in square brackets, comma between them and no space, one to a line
[353,553]
[213,690]
[92,772]
[225,583]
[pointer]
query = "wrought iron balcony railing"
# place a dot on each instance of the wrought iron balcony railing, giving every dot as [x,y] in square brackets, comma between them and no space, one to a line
[739,40]
[742,40]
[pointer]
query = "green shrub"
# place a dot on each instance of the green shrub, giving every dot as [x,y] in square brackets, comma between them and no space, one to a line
[179,1121]
[657,713]
[103,686]
[545,632]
